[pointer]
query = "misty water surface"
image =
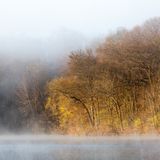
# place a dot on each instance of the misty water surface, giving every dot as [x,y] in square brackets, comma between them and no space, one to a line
[71,148]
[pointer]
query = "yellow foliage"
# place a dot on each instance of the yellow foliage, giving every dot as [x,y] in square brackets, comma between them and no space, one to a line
[137,122]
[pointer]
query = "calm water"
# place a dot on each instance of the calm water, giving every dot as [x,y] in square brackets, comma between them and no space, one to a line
[71,148]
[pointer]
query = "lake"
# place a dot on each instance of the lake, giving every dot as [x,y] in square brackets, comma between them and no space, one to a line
[79,148]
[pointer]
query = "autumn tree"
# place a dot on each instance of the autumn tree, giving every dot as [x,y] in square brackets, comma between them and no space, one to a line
[31,98]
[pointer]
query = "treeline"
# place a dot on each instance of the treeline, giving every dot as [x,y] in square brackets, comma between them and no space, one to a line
[111,89]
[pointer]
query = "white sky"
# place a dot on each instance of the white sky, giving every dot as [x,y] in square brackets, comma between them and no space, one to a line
[90,17]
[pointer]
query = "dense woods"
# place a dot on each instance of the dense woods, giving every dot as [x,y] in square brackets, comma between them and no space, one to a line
[111,89]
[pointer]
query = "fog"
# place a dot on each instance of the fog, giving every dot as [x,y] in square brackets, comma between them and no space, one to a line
[51,29]
[57,46]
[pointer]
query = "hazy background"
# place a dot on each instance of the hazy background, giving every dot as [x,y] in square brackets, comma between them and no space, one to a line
[50,28]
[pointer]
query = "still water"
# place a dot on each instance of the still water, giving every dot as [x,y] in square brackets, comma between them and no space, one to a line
[82,148]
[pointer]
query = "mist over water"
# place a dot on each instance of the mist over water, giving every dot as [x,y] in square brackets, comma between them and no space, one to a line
[82,148]
[36,39]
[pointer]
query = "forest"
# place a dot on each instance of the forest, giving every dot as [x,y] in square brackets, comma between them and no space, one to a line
[110,89]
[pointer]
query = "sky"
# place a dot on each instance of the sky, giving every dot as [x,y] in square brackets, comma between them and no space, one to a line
[39,18]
